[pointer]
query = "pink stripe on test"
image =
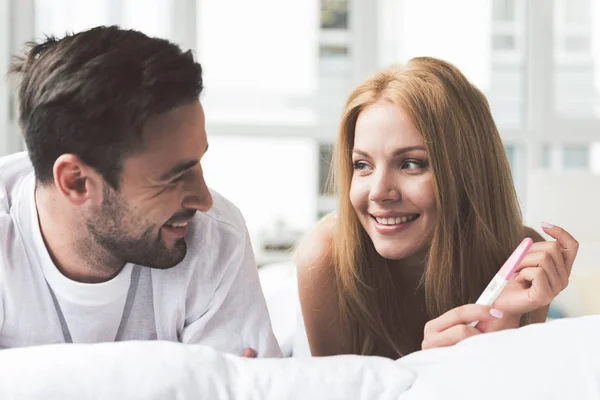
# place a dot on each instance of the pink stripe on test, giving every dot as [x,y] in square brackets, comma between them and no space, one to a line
[515,259]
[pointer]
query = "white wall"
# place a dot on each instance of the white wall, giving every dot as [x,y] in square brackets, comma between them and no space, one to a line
[265,82]
[4,62]
[571,199]
[268,179]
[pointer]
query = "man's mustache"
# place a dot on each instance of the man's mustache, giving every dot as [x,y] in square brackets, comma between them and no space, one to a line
[182,216]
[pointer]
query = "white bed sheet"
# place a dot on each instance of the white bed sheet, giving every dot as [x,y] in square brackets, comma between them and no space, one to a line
[557,360]
[166,370]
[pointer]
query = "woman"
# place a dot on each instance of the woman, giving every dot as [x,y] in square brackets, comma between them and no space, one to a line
[427,215]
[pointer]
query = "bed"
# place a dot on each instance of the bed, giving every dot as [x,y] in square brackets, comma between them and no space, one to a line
[556,360]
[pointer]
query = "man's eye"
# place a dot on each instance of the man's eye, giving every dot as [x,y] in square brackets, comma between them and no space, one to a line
[178,179]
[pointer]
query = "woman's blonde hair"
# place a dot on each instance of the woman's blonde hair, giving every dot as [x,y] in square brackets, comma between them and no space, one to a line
[478,222]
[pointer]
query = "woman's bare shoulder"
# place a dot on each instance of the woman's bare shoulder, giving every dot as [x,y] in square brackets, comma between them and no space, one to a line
[317,289]
[316,248]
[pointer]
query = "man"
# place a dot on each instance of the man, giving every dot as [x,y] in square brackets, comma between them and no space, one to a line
[108,230]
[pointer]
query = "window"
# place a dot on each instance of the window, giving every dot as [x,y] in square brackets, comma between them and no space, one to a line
[325,159]
[508,31]
[576,157]
[483,39]
[576,59]
[503,42]
[334,14]
[510,154]
[570,156]
[335,64]
[334,34]
[276,82]
[503,11]
[546,156]
[259,69]
[63,16]
[273,180]
[595,158]
[5,91]
[577,12]
[333,51]
[577,44]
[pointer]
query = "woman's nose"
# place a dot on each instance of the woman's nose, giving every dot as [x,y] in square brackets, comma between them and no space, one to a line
[384,188]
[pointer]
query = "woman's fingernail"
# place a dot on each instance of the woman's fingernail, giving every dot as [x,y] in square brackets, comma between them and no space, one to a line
[496,313]
[547,225]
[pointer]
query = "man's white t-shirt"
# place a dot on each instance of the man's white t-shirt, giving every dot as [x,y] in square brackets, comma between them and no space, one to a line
[213,297]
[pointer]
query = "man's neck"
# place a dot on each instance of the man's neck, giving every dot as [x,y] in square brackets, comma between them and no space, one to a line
[68,243]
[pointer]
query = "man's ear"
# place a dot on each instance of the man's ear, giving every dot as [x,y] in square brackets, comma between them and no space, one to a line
[77,181]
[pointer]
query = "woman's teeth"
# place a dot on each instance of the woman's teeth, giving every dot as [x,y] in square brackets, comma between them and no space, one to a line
[396,220]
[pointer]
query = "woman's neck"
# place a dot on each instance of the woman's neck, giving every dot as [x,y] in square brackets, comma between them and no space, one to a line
[409,271]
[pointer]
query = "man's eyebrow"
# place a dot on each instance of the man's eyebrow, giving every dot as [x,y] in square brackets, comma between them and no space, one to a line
[177,169]
[396,153]
[181,167]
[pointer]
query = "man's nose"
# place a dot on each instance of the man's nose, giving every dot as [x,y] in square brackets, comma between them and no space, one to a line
[198,197]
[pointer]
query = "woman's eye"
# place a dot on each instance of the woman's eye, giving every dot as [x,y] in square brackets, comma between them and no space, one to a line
[412,164]
[360,166]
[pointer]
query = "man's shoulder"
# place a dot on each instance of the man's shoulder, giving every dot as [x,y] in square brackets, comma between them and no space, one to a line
[218,233]
[215,236]
[13,169]
[224,216]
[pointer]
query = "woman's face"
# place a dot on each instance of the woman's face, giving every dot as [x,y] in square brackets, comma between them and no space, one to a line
[392,184]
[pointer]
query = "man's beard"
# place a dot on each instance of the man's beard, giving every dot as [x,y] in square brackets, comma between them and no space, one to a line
[110,229]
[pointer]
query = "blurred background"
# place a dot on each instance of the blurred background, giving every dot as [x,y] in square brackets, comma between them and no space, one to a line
[277,73]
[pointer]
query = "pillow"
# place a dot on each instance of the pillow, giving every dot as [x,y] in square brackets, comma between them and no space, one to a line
[555,360]
[166,370]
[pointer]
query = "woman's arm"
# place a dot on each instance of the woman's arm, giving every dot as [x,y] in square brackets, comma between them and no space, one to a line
[318,291]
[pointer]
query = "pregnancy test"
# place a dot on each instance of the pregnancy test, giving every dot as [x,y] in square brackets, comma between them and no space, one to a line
[500,280]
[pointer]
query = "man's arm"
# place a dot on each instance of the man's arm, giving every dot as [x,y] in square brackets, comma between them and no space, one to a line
[237,316]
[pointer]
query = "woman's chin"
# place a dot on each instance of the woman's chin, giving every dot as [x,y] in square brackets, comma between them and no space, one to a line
[393,252]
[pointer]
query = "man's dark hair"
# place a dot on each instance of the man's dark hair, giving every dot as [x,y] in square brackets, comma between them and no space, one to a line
[90,93]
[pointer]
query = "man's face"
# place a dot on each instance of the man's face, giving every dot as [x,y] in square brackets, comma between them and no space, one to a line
[162,186]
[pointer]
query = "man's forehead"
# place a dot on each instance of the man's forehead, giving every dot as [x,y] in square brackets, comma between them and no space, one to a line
[190,116]
[171,139]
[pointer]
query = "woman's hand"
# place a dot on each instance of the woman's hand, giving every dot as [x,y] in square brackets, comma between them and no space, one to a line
[453,326]
[542,275]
